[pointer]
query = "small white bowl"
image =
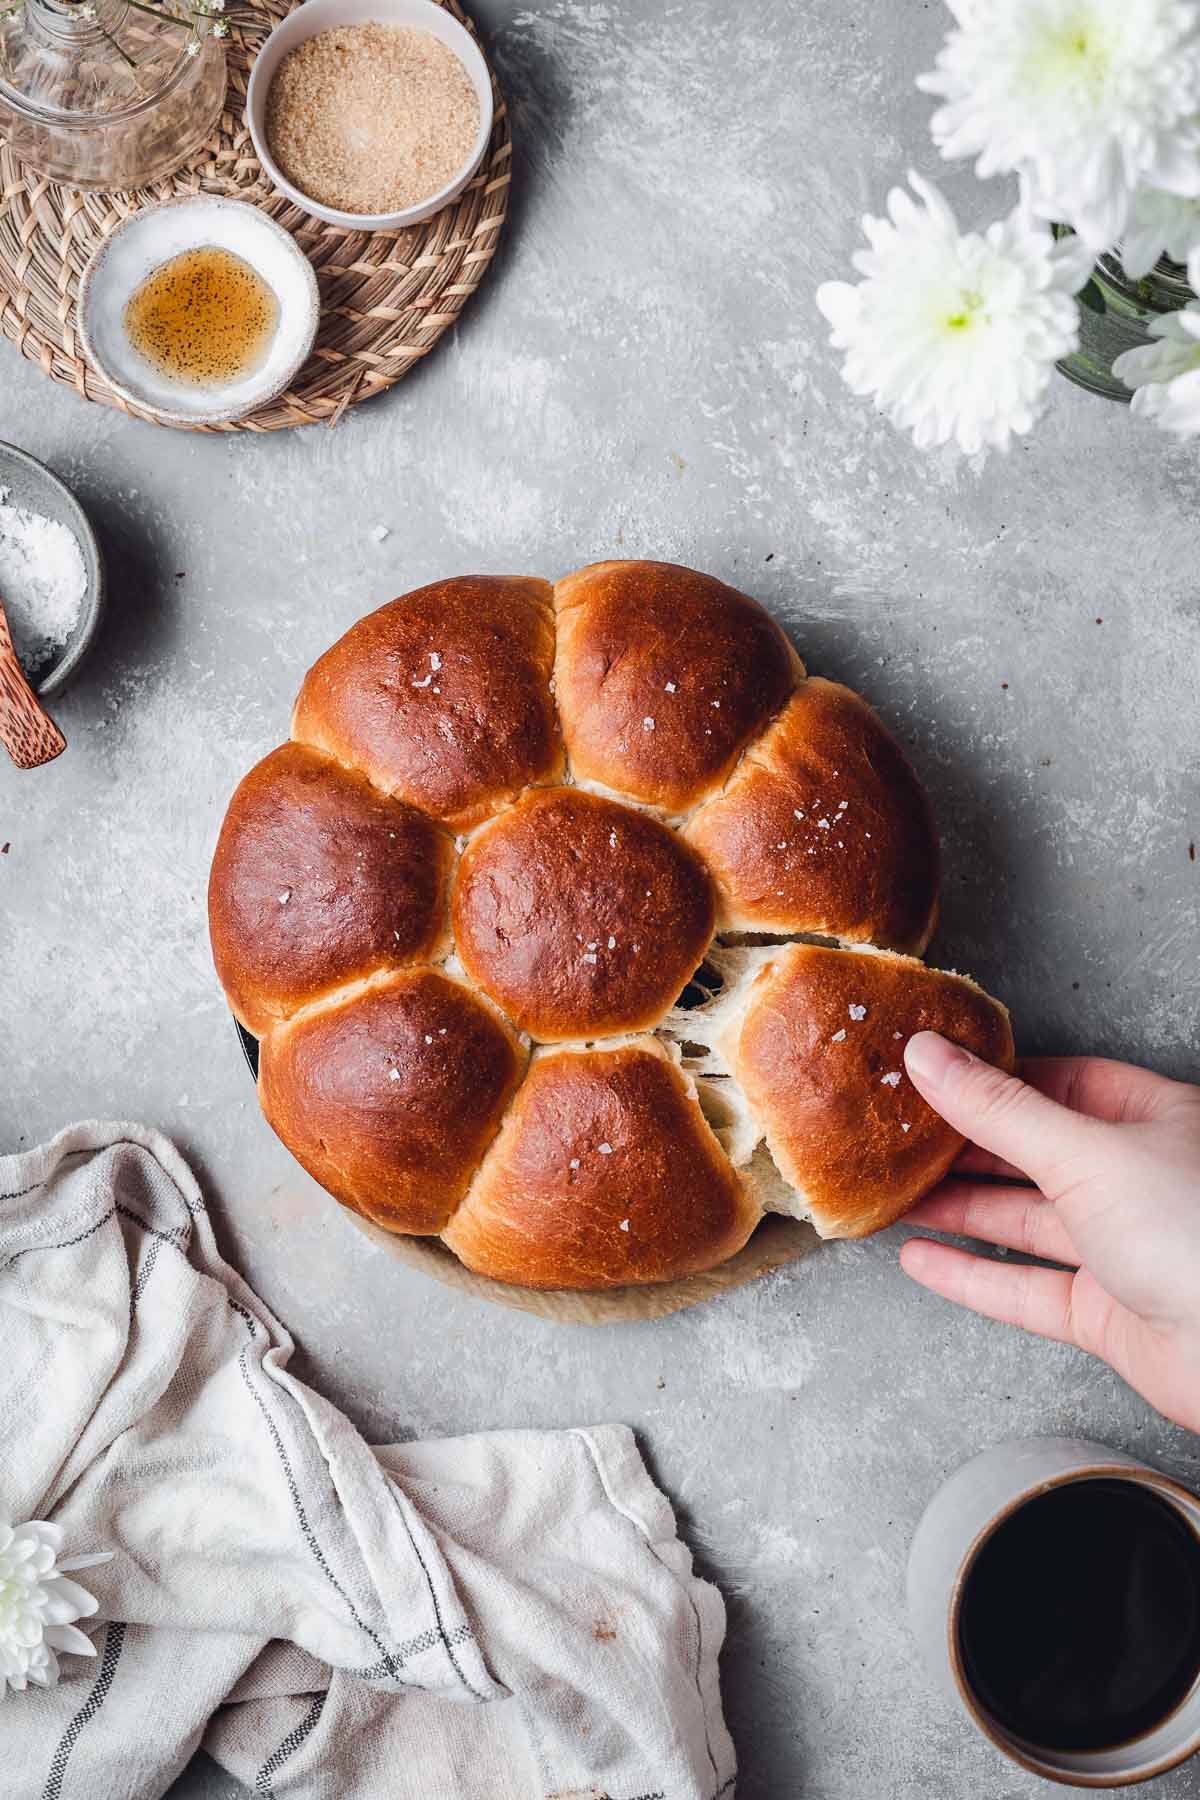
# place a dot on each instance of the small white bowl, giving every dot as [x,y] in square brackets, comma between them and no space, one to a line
[146,240]
[323,15]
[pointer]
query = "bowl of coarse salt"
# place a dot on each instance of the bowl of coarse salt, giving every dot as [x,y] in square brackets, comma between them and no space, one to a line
[370,114]
[51,572]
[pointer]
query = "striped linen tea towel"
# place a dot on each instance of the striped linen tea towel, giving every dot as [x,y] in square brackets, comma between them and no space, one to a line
[509,1616]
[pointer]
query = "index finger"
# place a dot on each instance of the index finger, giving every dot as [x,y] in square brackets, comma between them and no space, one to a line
[1096,1086]
[1005,1115]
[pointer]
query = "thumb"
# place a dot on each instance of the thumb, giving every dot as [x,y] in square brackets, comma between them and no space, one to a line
[999,1112]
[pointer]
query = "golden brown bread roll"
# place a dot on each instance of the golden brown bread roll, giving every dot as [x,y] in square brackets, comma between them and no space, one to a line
[604,1173]
[396,977]
[319,879]
[663,676]
[818,1052]
[390,1095]
[823,828]
[443,697]
[580,917]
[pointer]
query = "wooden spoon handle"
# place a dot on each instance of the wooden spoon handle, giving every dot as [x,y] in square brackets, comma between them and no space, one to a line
[27,732]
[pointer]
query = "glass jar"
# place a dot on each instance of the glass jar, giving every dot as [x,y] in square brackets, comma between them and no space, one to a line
[113,94]
[1115,312]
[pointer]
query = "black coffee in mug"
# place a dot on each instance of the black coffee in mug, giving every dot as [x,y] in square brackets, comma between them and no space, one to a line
[1079,1627]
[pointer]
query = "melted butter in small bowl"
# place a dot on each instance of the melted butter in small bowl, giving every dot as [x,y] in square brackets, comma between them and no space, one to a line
[198,311]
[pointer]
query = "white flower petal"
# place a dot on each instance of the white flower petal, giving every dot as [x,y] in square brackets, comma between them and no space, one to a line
[1161,224]
[68,1600]
[839,303]
[45,1532]
[67,1637]
[46,1672]
[92,1561]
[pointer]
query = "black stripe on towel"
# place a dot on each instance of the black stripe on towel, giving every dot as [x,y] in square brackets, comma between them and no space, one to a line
[289,1747]
[114,1641]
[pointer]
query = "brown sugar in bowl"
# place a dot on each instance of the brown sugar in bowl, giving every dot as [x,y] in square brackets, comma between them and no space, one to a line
[320,162]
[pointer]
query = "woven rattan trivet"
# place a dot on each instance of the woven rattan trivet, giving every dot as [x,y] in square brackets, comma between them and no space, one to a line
[386,297]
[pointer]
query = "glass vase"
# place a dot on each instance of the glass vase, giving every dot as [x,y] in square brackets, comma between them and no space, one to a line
[109,95]
[1116,312]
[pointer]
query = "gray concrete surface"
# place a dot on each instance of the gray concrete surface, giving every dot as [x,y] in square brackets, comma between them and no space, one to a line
[645,373]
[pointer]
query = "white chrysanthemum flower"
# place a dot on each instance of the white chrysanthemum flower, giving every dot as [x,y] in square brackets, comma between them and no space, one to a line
[1161,224]
[1087,99]
[1165,375]
[39,1604]
[956,335]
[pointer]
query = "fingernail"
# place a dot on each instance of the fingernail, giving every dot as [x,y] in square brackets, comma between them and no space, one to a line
[932,1060]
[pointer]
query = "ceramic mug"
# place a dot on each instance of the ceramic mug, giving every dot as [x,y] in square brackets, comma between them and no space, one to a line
[957,1523]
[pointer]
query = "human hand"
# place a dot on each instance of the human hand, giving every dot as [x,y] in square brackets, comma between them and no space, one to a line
[1113,1153]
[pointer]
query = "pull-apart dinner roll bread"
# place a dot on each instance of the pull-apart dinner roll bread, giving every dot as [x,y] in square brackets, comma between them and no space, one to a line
[818,1052]
[443,698]
[663,677]
[390,1094]
[604,1173]
[823,828]
[318,879]
[510,1037]
[580,917]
